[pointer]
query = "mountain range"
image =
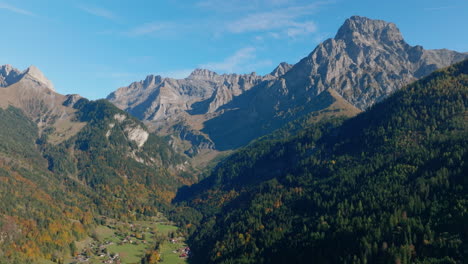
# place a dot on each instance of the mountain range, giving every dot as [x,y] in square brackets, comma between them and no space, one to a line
[355,154]
[364,63]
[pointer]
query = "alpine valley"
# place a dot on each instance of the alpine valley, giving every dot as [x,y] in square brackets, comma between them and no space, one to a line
[355,154]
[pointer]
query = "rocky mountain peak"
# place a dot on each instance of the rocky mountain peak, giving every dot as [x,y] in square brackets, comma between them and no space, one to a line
[151,80]
[202,74]
[6,69]
[363,29]
[282,69]
[8,75]
[34,74]
[71,100]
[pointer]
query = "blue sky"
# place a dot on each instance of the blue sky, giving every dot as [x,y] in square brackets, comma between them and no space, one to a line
[94,47]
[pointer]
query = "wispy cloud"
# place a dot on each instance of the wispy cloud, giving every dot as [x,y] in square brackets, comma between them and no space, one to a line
[298,29]
[149,29]
[98,11]
[242,5]
[280,22]
[15,9]
[243,60]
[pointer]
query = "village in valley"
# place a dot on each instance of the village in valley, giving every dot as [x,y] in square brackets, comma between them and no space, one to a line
[116,242]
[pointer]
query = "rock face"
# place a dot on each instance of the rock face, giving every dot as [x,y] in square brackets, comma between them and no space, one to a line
[180,106]
[33,74]
[157,98]
[8,75]
[281,70]
[366,61]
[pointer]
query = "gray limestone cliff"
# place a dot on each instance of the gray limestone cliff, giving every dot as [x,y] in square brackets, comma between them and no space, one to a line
[157,98]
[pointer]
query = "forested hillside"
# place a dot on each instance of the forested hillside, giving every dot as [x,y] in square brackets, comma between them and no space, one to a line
[388,186]
[131,170]
[53,194]
[39,215]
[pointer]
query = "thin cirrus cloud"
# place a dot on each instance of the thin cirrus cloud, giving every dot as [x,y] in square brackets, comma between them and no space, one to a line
[148,29]
[99,12]
[242,5]
[282,22]
[297,29]
[285,21]
[243,60]
[15,9]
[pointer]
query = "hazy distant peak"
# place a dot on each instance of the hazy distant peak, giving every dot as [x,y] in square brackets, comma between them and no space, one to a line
[202,73]
[357,28]
[38,76]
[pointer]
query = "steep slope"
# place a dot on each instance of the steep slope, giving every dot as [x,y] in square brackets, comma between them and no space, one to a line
[365,62]
[131,170]
[259,122]
[40,216]
[387,186]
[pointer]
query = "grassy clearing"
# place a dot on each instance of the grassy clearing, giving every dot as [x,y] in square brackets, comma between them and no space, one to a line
[103,232]
[165,229]
[168,256]
[129,253]
[130,241]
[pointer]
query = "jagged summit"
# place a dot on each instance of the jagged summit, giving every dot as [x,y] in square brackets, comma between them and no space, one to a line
[367,60]
[152,79]
[10,75]
[357,28]
[202,74]
[203,91]
[282,69]
[205,74]
[35,74]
